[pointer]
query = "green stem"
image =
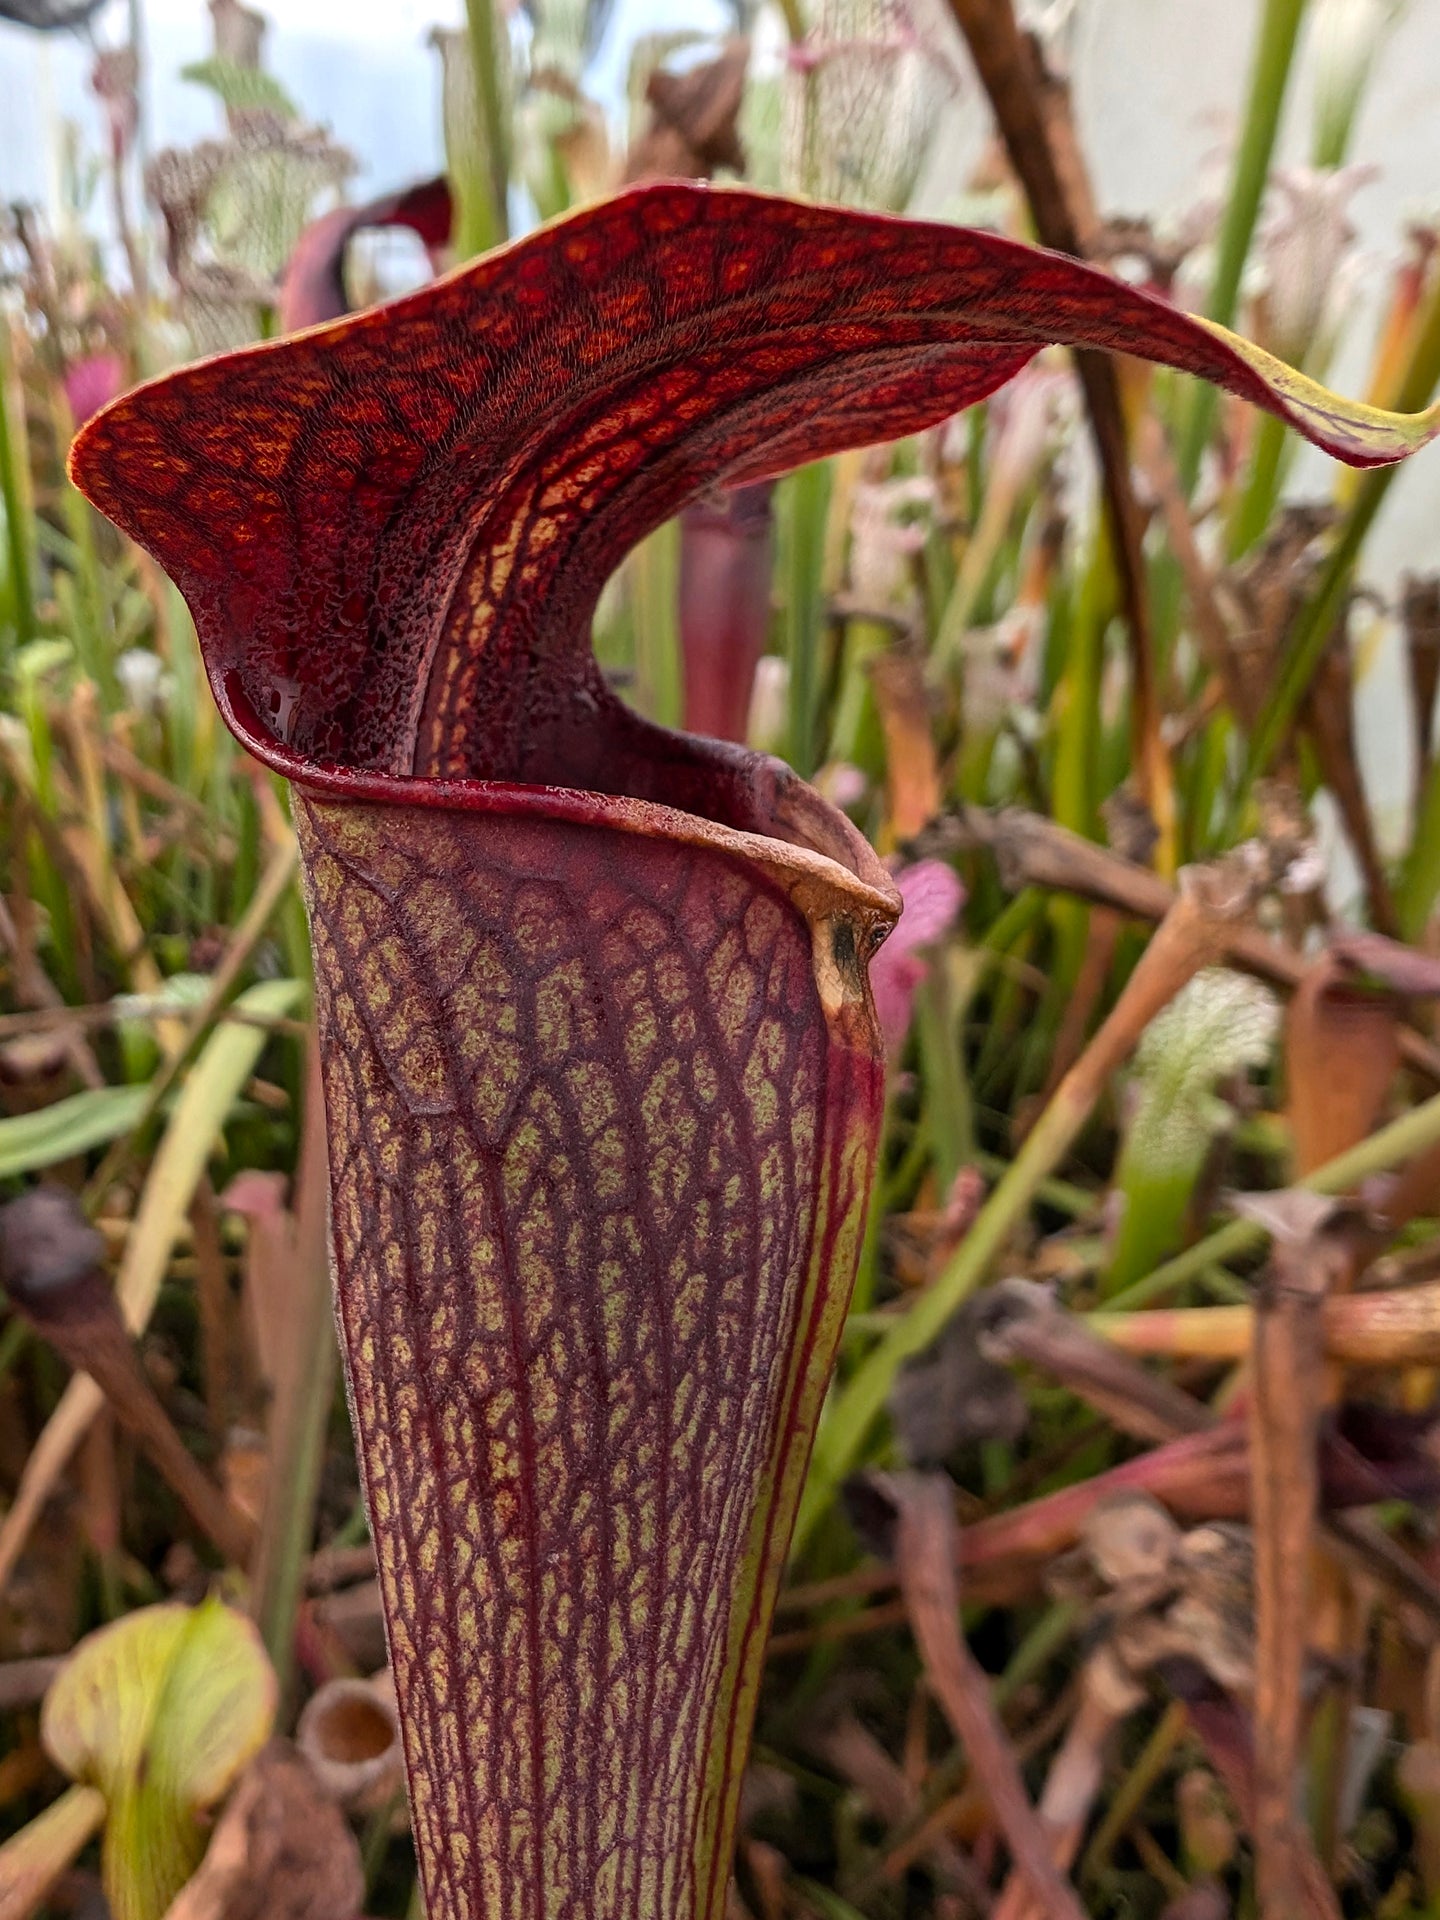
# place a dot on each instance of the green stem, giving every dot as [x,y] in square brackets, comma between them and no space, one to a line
[13,1342]
[1269,77]
[848,1421]
[301,1418]
[1419,884]
[1313,629]
[1014,920]
[1063,1195]
[1267,459]
[1411,1134]
[947,1093]
[807,495]
[1330,139]
[855,730]
[93,615]
[1075,790]
[655,587]
[1134,1789]
[275,883]
[485,215]
[32,1860]
[17,518]
[794,20]
[863,1292]
[1074,799]
[1262,486]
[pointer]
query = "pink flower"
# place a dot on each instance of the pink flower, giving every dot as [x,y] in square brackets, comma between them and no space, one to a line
[932,894]
[93,383]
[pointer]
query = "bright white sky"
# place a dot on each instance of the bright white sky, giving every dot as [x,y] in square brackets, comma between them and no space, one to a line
[361,67]
[382,20]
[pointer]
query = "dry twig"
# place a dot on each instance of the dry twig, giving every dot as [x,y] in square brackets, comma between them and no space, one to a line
[925,1555]
[1030,111]
[1032,851]
[1288,1384]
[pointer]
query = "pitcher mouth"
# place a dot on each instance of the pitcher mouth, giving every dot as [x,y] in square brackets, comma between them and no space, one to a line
[393,531]
[693,790]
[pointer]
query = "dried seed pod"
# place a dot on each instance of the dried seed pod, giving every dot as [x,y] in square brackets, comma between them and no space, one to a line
[349,1732]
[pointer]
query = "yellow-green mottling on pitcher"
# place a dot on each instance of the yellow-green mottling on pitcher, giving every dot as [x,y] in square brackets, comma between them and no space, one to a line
[601,1069]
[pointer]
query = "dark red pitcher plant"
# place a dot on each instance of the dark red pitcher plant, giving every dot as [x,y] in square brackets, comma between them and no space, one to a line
[601,1063]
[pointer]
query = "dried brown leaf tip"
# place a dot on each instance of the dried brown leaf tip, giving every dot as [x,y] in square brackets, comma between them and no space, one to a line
[693,132]
[52,1268]
[1342,1050]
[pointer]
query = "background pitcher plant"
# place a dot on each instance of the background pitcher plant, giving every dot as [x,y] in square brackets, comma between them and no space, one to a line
[601,1064]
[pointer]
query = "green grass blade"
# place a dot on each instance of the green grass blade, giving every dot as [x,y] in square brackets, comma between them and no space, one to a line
[1269,78]
[805,500]
[481,169]
[30,1142]
[654,577]
[19,557]
[1419,886]
[1313,629]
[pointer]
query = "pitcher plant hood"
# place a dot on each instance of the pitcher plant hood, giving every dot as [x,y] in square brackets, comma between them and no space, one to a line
[602,1073]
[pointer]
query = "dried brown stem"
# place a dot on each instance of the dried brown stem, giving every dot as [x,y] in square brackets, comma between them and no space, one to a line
[24,1683]
[1341,1052]
[34,986]
[1023,1324]
[1328,715]
[1211,629]
[925,1554]
[1032,851]
[851,1751]
[332,1567]
[135,772]
[1101,939]
[1394,1328]
[1194,933]
[848,1626]
[1287,1390]
[1020,94]
[1108,1695]
[50,1264]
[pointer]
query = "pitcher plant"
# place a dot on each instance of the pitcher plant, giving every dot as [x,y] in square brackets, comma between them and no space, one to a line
[602,1071]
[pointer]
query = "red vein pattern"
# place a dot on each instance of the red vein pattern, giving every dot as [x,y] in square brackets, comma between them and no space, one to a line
[393,531]
[602,1076]
[596,1153]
